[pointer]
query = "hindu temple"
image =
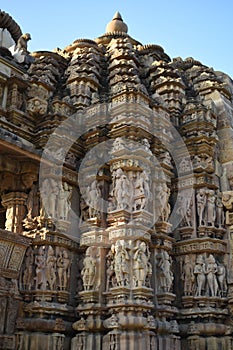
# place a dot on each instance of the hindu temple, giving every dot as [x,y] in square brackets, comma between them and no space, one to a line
[116,196]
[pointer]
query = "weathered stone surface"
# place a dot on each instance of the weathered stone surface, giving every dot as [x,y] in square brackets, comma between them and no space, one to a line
[116,190]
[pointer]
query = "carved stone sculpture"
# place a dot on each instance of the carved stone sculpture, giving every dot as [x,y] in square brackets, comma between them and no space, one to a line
[142,192]
[211,213]
[201,206]
[122,263]
[28,274]
[49,193]
[157,135]
[165,275]
[211,271]
[110,271]
[64,201]
[185,209]
[51,268]
[220,217]
[40,262]
[93,195]
[22,42]
[123,190]
[140,264]
[63,269]
[89,270]
[163,197]
[188,276]
[199,271]
[118,144]
[221,277]
[32,202]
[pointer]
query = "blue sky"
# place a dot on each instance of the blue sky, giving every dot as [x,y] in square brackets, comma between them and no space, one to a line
[202,29]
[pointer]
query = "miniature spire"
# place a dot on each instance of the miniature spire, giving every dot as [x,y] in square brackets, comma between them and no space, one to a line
[117,16]
[117,24]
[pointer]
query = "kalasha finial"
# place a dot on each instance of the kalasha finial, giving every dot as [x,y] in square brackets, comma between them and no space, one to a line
[117,24]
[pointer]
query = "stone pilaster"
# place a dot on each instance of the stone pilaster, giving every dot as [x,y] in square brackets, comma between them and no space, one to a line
[15,205]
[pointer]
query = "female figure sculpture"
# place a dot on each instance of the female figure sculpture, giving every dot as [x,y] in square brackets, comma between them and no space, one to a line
[199,271]
[140,265]
[89,270]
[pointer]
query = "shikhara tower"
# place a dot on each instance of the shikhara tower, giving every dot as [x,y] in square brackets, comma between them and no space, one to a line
[116,197]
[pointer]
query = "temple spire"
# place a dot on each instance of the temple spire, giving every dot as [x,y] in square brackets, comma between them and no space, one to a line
[117,24]
[117,16]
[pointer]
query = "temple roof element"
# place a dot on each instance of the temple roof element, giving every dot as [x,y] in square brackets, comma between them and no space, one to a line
[7,22]
[117,24]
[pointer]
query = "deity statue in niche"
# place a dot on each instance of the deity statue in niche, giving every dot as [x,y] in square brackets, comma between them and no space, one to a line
[163,194]
[122,190]
[28,273]
[220,217]
[188,276]
[64,200]
[141,264]
[63,268]
[89,269]
[185,209]
[165,275]
[199,271]
[211,213]
[211,271]
[32,202]
[93,195]
[84,209]
[142,192]
[221,277]
[110,271]
[51,268]
[40,262]
[122,263]
[49,195]
[201,206]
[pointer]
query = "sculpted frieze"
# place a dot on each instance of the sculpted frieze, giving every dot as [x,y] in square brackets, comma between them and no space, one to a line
[203,245]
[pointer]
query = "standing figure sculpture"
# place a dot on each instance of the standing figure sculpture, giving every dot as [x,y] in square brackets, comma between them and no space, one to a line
[64,201]
[89,270]
[221,277]
[93,195]
[121,264]
[211,213]
[140,264]
[164,200]
[211,271]
[165,274]
[49,194]
[40,262]
[220,217]
[110,269]
[142,192]
[63,269]
[51,268]
[199,271]
[123,190]
[188,276]
[29,270]
[32,202]
[201,205]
